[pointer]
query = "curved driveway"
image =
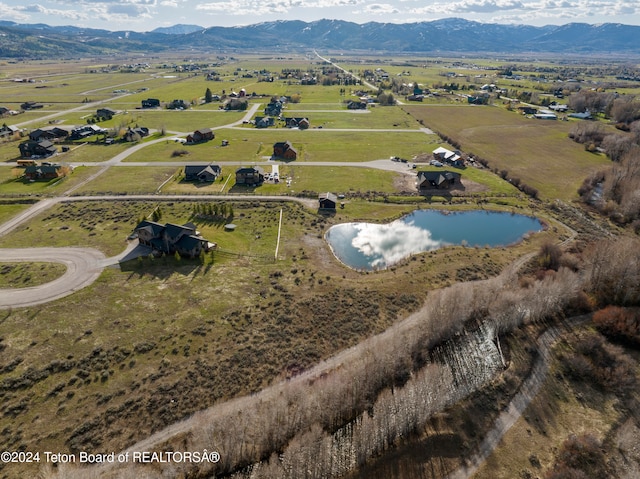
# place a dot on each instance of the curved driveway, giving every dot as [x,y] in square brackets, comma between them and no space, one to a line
[83,268]
[84,265]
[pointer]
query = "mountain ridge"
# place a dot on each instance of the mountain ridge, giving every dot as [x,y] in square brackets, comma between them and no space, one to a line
[447,35]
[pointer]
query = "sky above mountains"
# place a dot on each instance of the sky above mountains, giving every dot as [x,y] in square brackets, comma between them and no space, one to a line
[146,15]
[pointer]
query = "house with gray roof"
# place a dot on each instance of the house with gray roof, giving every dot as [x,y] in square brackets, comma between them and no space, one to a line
[171,238]
[207,173]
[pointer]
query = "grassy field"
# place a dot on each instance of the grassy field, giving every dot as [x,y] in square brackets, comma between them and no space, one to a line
[21,187]
[538,152]
[250,145]
[22,275]
[10,208]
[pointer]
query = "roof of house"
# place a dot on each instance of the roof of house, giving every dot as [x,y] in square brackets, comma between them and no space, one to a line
[151,226]
[328,196]
[188,242]
[174,232]
[436,177]
[250,169]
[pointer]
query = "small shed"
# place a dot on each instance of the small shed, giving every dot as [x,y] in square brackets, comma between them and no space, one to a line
[327,201]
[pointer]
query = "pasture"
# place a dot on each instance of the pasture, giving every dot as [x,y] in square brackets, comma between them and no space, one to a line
[539,152]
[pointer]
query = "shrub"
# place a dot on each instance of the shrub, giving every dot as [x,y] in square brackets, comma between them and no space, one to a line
[619,324]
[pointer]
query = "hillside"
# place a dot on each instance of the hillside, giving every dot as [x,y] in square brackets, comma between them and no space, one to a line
[449,35]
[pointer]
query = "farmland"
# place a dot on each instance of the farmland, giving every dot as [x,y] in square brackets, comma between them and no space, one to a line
[159,337]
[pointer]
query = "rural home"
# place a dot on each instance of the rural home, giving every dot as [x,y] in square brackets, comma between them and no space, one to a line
[284,150]
[150,103]
[50,134]
[449,157]
[327,201]
[198,136]
[42,148]
[8,130]
[177,105]
[31,105]
[85,131]
[171,238]
[301,123]
[528,110]
[545,115]
[274,108]
[44,172]
[206,173]
[135,134]
[250,176]
[105,113]
[264,121]
[356,105]
[437,179]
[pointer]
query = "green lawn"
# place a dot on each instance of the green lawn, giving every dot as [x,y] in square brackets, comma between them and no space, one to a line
[132,180]
[373,118]
[249,145]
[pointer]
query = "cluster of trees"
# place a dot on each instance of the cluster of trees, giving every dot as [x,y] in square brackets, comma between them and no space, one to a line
[623,109]
[615,191]
[386,99]
[213,210]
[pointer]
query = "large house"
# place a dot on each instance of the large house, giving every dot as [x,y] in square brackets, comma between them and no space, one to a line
[135,134]
[204,134]
[284,150]
[32,148]
[171,238]
[207,173]
[437,179]
[264,121]
[301,123]
[105,113]
[43,172]
[31,105]
[251,176]
[50,134]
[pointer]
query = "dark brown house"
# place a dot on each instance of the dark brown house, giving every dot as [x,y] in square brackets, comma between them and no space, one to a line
[284,150]
[171,238]
[301,123]
[43,172]
[251,176]
[198,136]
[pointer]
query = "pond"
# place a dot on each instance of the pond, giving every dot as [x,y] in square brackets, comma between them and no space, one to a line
[367,246]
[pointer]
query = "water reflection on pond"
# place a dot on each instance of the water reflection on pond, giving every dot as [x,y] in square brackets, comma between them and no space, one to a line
[376,246]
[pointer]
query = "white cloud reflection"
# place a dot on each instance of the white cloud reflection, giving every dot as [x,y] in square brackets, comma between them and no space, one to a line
[390,243]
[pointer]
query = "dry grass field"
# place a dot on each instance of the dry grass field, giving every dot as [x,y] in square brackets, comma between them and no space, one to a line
[539,152]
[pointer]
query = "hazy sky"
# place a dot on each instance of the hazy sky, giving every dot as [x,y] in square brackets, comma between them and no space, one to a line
[145,15]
